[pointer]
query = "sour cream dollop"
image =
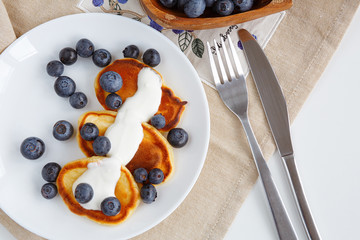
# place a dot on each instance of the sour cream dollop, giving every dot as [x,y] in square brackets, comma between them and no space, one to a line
[125,135]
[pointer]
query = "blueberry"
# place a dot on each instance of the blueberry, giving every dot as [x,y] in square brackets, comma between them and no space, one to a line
[177,137]
[78,100]
[131,51]
[111,81]
[148,193]
[97,3]
[63,130]
[113,101]
[156,176]
[194,8]
[210,3]
[64,86]
[224,7]
[101,145]
[50,171]
[32,148]
[55,68]
[158,121]
[151,57]
[101,58]
[168,3]
[84,193]
[85,48]
[140,175]
[49,190]
[181,4]
[68,56]
[89,131]
[244,5]
[110,206]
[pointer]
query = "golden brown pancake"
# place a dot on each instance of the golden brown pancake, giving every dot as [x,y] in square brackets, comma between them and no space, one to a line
[171,106]
[126,191]
[154,151]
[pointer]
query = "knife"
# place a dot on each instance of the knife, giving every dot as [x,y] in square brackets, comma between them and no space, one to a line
[275,108]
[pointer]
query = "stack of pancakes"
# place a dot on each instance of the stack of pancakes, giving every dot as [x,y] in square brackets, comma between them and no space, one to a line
[153,152]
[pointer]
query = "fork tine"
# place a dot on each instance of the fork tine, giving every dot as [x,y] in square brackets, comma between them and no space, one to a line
[221,64]
[227,58]
[235,57]
[213,66]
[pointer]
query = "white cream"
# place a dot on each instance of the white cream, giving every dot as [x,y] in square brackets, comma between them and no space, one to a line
[125,135]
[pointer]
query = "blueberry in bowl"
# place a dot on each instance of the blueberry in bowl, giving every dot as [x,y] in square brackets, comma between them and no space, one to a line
[174,17]
[194,8]
[224,7]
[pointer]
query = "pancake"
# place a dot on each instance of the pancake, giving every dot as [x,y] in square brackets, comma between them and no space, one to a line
[171,106]
[154,151]
[126,191]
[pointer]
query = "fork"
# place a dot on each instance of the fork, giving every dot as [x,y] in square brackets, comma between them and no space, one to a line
[233,93]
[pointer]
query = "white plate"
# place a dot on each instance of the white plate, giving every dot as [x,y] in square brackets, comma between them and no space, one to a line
[30,107]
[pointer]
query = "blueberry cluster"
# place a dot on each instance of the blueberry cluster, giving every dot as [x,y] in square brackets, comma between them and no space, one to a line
[110,206]
[150,57]
[64,86]
[195,8]
[111,82]
[148,192]
[49,173]
[101,144]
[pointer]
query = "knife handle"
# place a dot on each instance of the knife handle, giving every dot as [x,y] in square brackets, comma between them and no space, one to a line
[281,218]
[299,195]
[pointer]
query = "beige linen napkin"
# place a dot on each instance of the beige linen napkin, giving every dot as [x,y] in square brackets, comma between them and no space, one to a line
[299,51]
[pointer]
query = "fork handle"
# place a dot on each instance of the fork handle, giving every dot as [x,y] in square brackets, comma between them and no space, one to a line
[281,218]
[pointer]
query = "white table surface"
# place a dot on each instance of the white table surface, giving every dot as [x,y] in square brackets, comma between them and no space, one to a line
[327,149]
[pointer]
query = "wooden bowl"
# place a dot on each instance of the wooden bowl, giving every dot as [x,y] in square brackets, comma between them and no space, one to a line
[176,19]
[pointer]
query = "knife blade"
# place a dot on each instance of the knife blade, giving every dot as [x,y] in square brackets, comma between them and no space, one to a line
[275,109]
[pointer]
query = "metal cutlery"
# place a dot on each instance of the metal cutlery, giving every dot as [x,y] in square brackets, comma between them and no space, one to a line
[233,92]
[275,108]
